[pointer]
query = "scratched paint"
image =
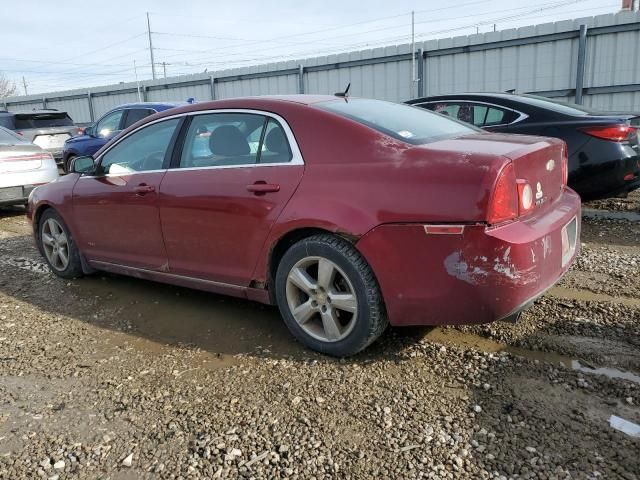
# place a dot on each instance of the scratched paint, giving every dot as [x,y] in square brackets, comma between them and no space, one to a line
[479,270]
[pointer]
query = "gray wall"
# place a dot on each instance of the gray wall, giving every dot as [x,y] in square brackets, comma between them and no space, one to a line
[542,58]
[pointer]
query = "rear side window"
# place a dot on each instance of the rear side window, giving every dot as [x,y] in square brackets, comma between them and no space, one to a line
[478,114]
[410,124]
[228,139]
[42,120]
[136,114]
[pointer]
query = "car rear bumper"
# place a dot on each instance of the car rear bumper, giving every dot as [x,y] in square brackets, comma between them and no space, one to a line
[481,275]
[15,187]
[15,195]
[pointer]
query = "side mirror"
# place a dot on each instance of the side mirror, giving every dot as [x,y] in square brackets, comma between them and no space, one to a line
[82,165]
[90,130]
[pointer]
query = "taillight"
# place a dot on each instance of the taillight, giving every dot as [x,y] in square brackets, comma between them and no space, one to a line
[504,202]
[525,196]
[613,133]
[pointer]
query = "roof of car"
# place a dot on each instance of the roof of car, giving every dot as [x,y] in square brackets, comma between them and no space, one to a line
[150,105]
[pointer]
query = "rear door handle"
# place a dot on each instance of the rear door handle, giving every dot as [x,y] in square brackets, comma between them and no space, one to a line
[143,189]
[260,188]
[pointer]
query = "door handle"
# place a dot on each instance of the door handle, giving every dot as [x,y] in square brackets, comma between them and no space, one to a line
[260,188]
[143,189]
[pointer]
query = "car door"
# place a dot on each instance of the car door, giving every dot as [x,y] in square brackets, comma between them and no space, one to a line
[235,174]
[116,208]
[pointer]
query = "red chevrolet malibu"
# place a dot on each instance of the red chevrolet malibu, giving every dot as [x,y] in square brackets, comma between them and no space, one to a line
[347,213]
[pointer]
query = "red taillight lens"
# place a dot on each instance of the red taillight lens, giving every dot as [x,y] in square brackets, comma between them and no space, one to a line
[504,201]
[613,133]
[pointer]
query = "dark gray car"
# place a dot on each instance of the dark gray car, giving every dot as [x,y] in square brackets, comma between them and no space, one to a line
[48,129]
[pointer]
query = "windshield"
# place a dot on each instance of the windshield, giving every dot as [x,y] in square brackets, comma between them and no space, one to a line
[567,108]
[402,122]
[43,120]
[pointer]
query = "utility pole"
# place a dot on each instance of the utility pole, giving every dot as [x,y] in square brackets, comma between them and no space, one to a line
[24,82]
[153,65]
[135,70]
[164,69]
[413,51]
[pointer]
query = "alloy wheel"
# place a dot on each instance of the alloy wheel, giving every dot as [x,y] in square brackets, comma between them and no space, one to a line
[55,244]
[322,299]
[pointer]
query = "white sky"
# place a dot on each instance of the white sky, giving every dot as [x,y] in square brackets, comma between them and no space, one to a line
[64,44]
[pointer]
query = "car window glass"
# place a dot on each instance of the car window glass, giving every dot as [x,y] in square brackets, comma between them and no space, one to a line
[141,151]
[109,124]
[222,139]
[42,120]
[413,125]
[495,116]
[136,114]
[275,148]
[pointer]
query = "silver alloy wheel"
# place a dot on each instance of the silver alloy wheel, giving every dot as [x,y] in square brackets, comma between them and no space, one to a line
[322,299]
[55,244]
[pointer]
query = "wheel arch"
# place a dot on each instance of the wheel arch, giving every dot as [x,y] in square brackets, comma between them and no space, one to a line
[286,240]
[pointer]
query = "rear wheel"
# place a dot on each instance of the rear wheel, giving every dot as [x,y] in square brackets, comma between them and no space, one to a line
[58,246]
[329,297]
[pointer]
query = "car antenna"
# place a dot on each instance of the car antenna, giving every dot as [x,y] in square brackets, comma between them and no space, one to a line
[344,94]
[511,90]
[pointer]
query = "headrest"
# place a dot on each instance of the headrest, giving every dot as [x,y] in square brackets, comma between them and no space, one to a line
[228,141]
[276,141]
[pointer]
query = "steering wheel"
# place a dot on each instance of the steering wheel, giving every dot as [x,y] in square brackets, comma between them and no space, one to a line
[153,161]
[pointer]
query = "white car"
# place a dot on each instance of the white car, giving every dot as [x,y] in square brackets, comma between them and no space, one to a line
[23,166]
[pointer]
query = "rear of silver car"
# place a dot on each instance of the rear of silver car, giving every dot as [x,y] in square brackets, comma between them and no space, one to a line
[47,129]
[23,166]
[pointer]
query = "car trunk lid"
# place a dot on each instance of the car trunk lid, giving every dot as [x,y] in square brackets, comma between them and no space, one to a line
[21,158]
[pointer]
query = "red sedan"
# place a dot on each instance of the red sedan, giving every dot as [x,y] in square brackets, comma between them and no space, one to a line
[349,214]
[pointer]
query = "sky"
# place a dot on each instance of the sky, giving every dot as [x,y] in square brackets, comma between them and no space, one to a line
[66,44]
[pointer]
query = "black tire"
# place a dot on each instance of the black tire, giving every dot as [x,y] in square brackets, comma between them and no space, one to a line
[74,266]
[371,320]
[67,163]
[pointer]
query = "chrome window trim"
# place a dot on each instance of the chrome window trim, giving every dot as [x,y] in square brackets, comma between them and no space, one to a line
[296,154]
[521,116]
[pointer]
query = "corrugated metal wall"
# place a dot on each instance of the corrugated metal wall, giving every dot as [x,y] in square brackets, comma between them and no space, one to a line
[541,58]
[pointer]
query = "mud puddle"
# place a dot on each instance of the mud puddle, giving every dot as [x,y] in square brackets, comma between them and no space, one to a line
[455,337]
[171,315]
[610,214]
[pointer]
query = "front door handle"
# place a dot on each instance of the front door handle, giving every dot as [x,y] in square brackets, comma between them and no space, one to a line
[143,189]
[260,188]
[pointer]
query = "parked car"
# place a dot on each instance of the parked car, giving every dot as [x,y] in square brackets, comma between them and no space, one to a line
[23,166]
[604,156]
[347,214]
[107,127]
[48,129]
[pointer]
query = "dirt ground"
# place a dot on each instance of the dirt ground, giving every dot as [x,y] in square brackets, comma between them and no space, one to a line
[113,377]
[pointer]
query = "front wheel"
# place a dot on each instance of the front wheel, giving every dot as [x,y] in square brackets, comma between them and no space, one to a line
[329,297]
[58,246]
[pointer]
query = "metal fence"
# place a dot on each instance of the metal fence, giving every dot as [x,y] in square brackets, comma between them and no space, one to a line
[591,60]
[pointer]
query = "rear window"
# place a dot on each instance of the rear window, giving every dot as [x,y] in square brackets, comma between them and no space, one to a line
[42,120]
[6,121]
[403,122]
[559,106]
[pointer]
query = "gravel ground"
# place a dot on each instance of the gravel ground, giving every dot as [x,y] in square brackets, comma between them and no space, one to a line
[112,377]
[629,204]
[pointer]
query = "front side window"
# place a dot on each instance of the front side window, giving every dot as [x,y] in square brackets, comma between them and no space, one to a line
[141,151]
[109,124]
[403,122]
[228,139]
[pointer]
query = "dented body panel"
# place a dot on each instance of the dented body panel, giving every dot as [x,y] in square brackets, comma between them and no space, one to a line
[485,274]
